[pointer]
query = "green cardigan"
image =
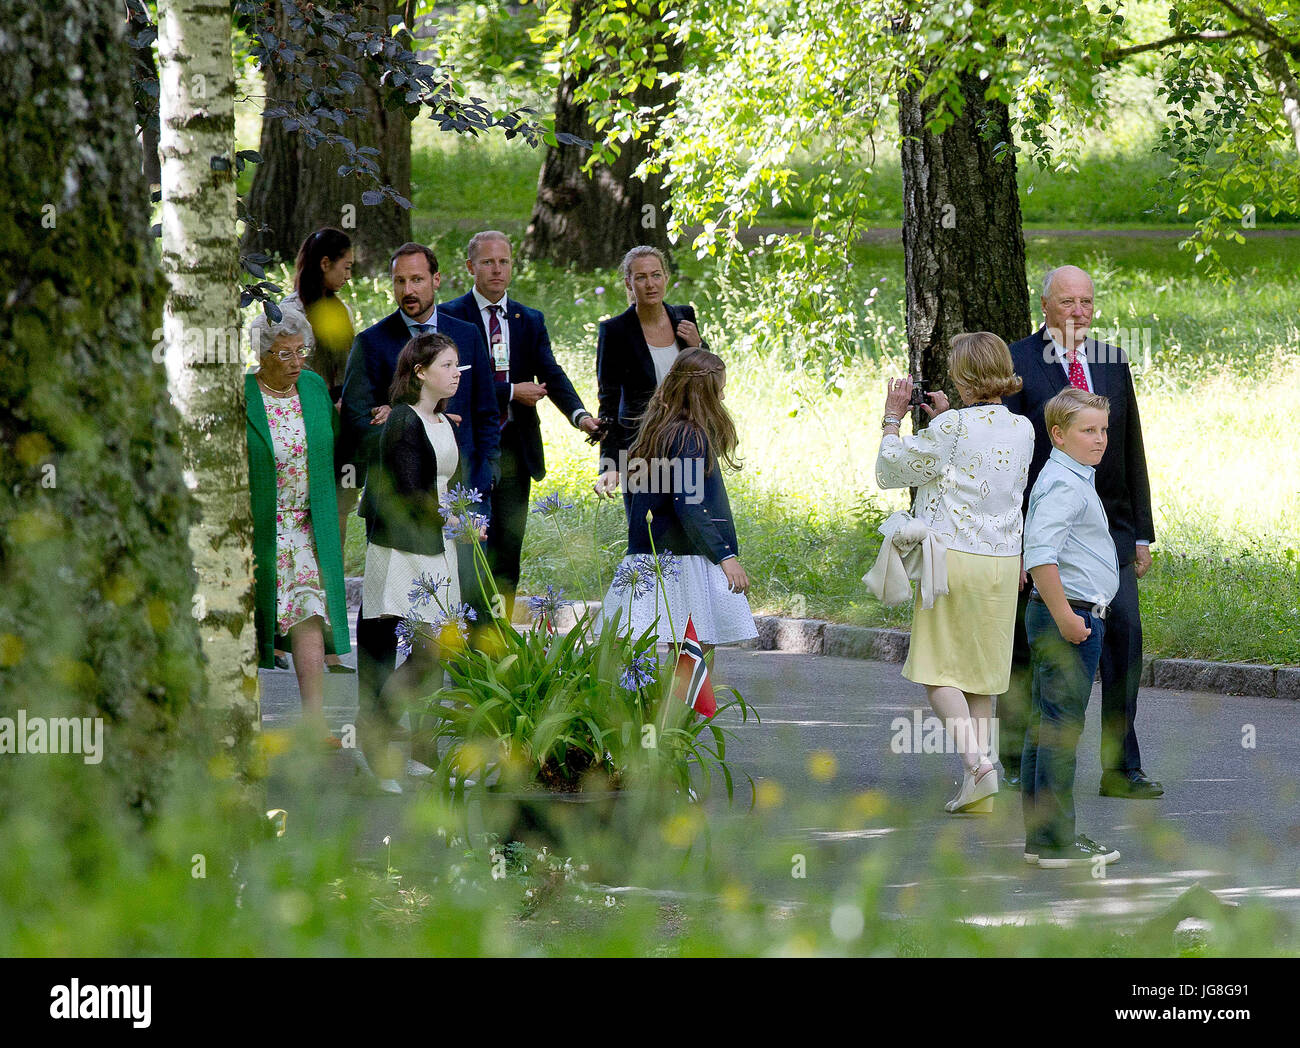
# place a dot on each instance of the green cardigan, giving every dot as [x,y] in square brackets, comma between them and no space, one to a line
[321,423]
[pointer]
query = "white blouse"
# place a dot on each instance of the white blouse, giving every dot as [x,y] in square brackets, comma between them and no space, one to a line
[970,467]
[663,357]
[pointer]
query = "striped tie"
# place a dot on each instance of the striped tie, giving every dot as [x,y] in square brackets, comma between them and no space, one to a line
[500,361]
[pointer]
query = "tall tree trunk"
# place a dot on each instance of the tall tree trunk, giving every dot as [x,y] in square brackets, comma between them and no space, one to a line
[296,190]
[963,247]
[591,221]
[144,79]
[201,328]
[95,578]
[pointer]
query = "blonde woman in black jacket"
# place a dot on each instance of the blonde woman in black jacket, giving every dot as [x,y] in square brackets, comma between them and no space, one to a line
[634,351]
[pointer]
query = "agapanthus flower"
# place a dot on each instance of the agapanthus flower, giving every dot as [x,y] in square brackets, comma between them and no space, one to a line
[467,526]
[633,573]
[457,501]
[547,605]
[666,565]
[406,630]
[641,672]
[550,505]
[460,617]
[426,589]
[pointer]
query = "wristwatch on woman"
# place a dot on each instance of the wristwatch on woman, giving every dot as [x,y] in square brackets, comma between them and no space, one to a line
[890,420]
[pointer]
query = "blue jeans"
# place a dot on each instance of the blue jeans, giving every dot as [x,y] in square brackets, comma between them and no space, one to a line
[1063,676]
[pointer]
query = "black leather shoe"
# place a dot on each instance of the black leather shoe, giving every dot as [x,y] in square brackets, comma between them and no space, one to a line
[1010,778]
[1132,785]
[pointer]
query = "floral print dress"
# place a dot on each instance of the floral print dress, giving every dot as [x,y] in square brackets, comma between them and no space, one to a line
[298,591]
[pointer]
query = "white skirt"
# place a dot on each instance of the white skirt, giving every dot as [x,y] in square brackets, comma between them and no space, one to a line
[390,577]
[699,592]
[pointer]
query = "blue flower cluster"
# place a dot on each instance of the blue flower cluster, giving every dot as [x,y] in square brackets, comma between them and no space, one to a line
[467,527]
[547,605]
[550,505]
[640,572]
[412,626]
[641,673]
[457,501]
[426,589]
[632,575]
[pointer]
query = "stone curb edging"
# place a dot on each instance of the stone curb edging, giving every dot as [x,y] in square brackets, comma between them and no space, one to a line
[885,644]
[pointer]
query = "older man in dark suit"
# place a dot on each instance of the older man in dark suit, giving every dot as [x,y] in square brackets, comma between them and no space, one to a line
[366,407]
[1057,355]
[526,372]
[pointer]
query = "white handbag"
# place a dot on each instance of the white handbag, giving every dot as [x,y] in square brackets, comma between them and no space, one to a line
[911,552]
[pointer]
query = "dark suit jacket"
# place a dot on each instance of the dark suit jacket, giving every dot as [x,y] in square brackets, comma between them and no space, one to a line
[531,360]
[683,523]
[369,375]
[625,373]
[400,504]
[1122,481]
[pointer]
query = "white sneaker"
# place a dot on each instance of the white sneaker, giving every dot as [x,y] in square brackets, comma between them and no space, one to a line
[416,770]
[390,786]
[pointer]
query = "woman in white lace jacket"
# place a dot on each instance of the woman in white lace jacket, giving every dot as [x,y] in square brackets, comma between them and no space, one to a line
[969,467]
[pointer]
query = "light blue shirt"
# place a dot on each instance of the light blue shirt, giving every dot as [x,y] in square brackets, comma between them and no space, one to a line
[1066,526]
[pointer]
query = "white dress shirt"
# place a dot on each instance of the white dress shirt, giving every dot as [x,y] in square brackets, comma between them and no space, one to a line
[503,317]
[483,303]
[1081,355]
[970,467]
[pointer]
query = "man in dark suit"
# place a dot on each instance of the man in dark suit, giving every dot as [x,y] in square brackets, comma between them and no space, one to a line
[525,372]
[473,410]
[373,358]
[1057,355]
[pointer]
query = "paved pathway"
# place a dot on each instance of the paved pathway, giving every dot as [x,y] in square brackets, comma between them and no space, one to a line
[1229,820]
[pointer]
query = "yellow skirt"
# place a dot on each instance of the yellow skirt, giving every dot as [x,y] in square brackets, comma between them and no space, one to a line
[964,641]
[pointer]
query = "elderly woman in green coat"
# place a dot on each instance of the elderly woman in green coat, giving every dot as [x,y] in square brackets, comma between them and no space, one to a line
[297,556]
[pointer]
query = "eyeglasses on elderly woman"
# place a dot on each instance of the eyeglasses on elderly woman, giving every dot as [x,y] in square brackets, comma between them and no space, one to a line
[301,353]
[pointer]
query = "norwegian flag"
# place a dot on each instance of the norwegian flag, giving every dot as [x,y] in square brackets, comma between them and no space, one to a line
[692,675]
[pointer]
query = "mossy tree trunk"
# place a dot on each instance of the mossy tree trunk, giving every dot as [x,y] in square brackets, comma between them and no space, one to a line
[591,220]
[296,190]
[201,330]
[963,247]
[95,579]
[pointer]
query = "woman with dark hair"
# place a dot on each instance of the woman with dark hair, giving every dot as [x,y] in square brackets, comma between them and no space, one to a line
[406,550]
[323,266]
[634,351]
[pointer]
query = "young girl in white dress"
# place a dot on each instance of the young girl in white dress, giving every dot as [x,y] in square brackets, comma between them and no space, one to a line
[411,568]
[679,510]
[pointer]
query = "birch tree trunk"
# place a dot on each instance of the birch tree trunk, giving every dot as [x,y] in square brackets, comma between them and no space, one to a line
[591,221]
[201,330]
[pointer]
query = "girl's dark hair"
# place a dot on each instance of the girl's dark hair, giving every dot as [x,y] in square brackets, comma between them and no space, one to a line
[688,403]
[308,280]
[420,352]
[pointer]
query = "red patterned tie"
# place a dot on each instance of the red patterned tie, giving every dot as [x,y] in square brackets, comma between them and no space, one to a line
[499,360]
[1077,378]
